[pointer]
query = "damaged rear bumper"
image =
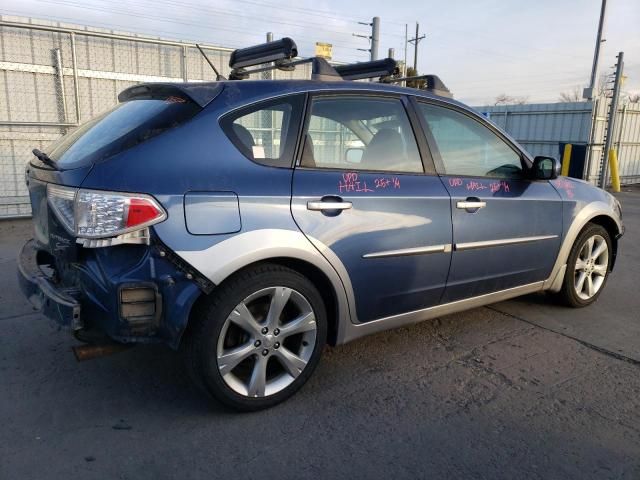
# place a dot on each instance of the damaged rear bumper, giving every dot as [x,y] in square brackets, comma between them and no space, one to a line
[128,293]
[59,304]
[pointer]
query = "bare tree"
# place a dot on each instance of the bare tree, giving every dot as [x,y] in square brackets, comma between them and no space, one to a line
[605,85]
[504,99]
[633,97]
[574,95]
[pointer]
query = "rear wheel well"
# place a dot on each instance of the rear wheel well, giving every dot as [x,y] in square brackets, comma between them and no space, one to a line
[324,286]
[314,274]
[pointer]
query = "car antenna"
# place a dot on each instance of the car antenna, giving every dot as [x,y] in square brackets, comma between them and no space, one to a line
[218,76]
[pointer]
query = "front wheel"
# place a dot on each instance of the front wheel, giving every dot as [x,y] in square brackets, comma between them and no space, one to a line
[588,267]
[258,338]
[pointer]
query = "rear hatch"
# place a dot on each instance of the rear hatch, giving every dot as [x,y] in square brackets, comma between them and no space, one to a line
[145,112]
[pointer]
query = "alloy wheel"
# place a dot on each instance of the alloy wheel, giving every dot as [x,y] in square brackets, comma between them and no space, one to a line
[591,267]
[266,341]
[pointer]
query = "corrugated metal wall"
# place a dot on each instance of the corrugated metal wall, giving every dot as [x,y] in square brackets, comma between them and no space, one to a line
[542,128]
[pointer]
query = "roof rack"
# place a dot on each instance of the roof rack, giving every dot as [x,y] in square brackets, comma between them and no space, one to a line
[281,55]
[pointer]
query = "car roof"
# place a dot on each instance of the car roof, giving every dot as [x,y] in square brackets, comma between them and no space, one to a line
[204,92]
[293,86]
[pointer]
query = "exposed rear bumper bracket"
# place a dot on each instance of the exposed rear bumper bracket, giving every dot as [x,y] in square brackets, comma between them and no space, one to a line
[54,302]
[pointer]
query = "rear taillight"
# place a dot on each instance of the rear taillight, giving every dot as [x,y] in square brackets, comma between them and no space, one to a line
[99,214]
[62,201]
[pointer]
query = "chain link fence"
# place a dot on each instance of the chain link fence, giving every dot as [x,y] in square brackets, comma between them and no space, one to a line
[54,77]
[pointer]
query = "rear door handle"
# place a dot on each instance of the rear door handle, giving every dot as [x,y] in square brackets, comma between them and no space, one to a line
[471,204]
[328,205]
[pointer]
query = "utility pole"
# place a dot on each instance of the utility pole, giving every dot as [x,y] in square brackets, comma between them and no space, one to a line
[268,75]
[611,120]
[406,42]
[415,40]
[588,92]
[392,53]
[374,38]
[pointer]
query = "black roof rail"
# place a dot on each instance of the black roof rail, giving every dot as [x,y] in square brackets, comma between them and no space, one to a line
[432,83]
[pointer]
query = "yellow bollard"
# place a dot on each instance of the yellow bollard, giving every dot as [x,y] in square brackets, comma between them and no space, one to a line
[566,159]
[615,175]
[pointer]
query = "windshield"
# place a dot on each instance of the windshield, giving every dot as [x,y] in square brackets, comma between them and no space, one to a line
[122,127]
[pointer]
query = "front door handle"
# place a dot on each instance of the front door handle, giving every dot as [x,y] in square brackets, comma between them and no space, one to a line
[329,203]
[471,204]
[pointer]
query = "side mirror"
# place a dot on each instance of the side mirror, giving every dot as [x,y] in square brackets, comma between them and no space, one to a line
[545,168]
[353,155]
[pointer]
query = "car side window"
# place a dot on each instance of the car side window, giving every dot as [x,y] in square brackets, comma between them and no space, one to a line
[265,133]
[467,147]
[360,133]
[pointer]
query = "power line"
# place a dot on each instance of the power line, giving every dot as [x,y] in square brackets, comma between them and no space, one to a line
[94,24]
[166,20]
[302,10]
[214,12]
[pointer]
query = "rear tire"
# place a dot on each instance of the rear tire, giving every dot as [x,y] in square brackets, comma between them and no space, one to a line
[588,267]
[257,338]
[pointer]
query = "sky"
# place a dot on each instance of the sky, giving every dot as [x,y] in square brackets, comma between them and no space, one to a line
[479,48]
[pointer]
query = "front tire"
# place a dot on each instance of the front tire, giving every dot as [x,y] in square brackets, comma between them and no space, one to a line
[257,338]
[588,267]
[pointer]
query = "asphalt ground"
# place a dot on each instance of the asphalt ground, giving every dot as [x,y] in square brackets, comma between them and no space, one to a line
[519,389]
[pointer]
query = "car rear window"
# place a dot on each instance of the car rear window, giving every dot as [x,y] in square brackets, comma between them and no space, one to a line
[266,132]
[128,124]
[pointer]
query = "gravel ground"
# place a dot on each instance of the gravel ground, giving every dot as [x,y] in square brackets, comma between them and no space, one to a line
[521,389]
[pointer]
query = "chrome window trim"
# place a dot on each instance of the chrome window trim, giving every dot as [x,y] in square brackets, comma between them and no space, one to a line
[500,242]
[409,251]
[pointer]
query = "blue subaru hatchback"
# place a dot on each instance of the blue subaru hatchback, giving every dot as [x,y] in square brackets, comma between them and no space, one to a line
[248,223]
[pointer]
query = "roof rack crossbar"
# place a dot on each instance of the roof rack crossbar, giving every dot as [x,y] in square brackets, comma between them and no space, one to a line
[277,66]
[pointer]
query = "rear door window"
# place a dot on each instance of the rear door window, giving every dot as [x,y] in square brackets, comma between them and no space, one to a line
[266,132]
[367,133]
[126,125]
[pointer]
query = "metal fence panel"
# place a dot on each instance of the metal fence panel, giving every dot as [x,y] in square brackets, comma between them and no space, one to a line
[542,128]
[53,76]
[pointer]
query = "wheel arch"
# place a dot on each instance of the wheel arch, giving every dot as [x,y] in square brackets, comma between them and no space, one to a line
[283,247]
[307,269]
[610,225]
[595,212]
